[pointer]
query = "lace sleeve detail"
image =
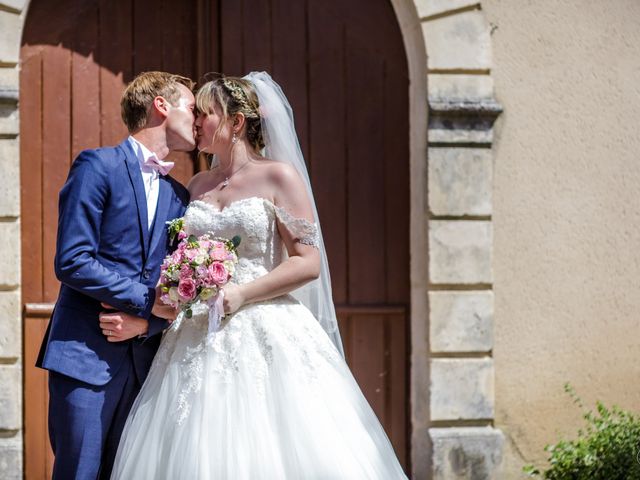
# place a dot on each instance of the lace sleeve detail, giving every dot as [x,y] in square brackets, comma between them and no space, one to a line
[302,229]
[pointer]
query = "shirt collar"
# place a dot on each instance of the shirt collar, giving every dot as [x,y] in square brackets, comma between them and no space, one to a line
[142,152]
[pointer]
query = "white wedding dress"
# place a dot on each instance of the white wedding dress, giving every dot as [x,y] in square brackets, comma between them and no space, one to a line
[268,397]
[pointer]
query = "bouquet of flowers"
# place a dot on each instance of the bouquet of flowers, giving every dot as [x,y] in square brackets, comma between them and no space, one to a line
[197,269]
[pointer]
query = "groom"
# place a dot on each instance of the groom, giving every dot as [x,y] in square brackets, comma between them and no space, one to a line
[111,242]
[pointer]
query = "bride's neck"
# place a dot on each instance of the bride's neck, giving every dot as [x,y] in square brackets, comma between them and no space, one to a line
[234,159]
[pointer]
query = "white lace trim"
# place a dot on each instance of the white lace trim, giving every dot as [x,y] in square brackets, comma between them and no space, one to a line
[305,231]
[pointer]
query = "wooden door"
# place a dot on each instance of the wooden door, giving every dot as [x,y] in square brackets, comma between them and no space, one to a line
[343,67]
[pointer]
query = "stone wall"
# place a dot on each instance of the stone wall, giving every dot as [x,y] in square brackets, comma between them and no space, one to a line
[566,216]
[10,315]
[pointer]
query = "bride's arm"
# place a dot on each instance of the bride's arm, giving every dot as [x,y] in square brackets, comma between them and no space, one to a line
[303,264]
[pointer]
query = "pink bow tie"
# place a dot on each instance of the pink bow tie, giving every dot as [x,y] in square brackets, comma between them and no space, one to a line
[162,167]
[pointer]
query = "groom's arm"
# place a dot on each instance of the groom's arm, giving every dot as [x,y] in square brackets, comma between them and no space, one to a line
[156,325]
[81,205]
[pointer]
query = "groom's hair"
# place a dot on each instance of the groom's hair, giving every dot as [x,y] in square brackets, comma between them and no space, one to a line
[139,95]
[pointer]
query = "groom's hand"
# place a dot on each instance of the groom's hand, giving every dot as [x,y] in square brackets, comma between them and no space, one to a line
[120,326]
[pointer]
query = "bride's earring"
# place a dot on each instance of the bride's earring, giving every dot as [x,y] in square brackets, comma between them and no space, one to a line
[234,139]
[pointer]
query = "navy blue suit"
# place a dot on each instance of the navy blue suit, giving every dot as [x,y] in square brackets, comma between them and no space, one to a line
[105,253]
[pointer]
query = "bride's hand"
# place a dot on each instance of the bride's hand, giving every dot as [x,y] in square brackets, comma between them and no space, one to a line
[233,298]
[161,310]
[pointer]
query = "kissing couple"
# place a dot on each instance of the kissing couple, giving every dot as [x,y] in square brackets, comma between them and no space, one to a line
[140,389]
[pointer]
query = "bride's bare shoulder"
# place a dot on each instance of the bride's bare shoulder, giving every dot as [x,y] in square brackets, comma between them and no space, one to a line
[280,172]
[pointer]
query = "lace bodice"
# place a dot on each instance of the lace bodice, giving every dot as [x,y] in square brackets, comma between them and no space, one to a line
[254,220]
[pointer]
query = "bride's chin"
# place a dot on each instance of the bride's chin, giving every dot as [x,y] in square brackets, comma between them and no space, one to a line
[204,148]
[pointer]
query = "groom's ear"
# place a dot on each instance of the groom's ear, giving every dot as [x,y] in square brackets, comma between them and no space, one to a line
[161,106]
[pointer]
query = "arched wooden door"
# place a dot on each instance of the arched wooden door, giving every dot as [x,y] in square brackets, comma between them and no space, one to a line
[343,67]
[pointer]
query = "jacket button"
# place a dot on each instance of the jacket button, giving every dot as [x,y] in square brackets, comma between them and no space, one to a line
[146,274]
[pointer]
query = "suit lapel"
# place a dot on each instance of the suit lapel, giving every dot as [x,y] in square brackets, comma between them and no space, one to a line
[135,175]
[164,196]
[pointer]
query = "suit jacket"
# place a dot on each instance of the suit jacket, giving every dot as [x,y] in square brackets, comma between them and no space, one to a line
[106,253]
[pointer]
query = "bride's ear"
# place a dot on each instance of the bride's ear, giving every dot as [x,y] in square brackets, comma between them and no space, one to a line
[238,122]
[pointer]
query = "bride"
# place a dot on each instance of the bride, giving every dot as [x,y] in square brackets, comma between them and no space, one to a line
[268,395]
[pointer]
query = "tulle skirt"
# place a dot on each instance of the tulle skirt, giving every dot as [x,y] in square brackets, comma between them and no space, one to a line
[267,397]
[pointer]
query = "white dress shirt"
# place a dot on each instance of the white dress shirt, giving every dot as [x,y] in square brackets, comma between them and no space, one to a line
[150,178]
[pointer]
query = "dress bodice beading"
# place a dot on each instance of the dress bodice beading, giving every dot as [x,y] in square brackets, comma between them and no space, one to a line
[253,219]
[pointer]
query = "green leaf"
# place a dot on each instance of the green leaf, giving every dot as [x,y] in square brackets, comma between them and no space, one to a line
[606,449]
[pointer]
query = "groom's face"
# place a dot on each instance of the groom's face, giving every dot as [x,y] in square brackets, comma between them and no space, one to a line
[180,122]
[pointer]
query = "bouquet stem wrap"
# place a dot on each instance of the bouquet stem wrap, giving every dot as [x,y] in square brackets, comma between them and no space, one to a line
[216,314]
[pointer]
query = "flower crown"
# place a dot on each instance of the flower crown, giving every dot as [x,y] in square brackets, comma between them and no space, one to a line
[236,92]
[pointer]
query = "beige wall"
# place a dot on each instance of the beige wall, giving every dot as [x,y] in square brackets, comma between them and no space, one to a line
[566,215]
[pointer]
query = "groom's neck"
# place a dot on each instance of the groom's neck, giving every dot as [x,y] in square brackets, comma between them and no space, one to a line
[154,139]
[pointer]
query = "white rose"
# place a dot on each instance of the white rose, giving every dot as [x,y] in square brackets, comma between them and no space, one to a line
[207,293]
[229,266]
[173,294]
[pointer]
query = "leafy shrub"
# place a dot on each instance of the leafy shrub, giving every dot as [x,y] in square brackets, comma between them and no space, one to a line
[607,449]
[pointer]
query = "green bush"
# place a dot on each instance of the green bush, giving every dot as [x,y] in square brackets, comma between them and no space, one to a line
[607,449]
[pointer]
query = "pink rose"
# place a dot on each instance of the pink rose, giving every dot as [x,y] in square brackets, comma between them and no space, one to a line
[202,276]
[185,272]
[187,289]
[174,259]
[218,273]
[167,300]
[182,235]
[219,253]
[191,253]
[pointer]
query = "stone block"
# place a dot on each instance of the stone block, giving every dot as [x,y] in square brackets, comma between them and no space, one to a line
[11,457]
[10,254]
[16,6]
[9,78]
[460,181]
[9,121]
[10,33]
[10,325]
[466,453]
[11,397]
[462,388]
[451,130]
[460,252]
[10,187]
[458,42]
[428,8]
[461,321]
[457,87]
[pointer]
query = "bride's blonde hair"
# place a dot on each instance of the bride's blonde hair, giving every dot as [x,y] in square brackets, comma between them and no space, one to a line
[233,95]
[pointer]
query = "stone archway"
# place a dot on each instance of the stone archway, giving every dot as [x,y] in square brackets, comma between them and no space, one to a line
[451,120]
[452,373]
